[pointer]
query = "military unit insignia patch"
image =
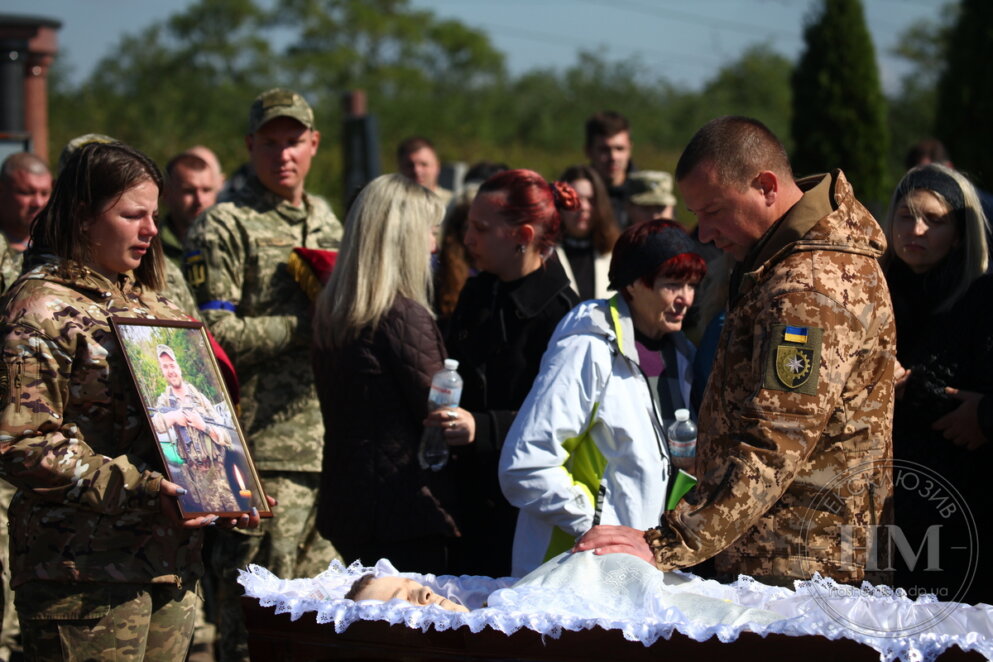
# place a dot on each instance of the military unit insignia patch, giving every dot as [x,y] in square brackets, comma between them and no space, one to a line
[196,269]
[794,359]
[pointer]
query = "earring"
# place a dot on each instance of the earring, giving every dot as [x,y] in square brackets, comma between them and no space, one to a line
[521,248]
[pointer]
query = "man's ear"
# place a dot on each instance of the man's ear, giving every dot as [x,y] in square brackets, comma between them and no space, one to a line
[767,182]
[249,141]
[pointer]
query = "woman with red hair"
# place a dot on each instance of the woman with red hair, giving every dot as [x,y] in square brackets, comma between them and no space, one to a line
[588,446]
[498,332]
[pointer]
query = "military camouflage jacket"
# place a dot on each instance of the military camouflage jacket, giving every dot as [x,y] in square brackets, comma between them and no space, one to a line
[796,422]
[11,262]
[236,260]
[75,440]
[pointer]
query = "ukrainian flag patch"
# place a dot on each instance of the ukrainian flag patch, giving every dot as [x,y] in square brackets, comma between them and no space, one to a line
[795,334]
[793,359]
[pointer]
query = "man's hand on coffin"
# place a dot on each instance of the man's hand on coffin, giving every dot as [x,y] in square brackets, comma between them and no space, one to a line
[610,539]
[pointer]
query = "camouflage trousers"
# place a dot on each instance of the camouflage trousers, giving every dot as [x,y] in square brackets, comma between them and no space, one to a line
[288,545]
[10,631]
[105,621]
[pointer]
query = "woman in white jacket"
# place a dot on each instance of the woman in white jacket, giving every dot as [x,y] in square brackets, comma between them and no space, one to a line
[588,446]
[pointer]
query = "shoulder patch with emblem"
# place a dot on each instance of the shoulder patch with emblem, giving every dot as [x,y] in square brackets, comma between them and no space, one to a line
[794,359]
[195,268]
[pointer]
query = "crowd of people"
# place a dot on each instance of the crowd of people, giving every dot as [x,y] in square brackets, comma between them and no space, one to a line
[564,303]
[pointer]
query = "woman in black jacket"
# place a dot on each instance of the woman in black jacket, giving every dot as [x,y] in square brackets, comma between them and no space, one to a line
[943,419]
[498,333]
[376,348]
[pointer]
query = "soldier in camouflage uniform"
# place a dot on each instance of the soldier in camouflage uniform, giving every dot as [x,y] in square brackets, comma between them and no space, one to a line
[186,415]
[796,423]
[102,565]
[236,261]
[25,186]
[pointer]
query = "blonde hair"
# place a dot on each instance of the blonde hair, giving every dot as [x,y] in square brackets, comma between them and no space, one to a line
[971,257]
[385,253]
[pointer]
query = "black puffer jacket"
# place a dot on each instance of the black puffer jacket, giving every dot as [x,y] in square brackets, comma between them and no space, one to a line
[373,397]
[498,332]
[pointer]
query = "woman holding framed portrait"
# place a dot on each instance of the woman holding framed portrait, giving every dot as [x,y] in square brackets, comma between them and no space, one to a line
[102,560]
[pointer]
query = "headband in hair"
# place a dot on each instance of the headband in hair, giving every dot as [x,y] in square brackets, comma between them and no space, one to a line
[932,179]
[645,259]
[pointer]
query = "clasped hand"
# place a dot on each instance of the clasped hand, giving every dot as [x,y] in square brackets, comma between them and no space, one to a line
[169,493]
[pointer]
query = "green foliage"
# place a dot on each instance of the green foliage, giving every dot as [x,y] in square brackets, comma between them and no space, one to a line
[189,79]
[912,109]
[965,98]
[192,355]
[839,112]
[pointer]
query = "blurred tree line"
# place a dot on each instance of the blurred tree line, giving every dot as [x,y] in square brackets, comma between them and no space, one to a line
[190,79]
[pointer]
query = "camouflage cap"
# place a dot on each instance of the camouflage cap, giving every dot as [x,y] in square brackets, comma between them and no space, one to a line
[651,187]
[279,102]
[165,349]
[82,141]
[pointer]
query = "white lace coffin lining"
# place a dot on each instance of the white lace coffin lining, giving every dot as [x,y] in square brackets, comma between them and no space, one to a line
[621,592]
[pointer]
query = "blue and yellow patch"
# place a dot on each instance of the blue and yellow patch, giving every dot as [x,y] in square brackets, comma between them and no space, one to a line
[793,359]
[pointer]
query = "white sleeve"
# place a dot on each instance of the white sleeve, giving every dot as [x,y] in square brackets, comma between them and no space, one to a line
[533,472]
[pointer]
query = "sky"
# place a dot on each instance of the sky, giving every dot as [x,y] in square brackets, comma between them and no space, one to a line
[685,42]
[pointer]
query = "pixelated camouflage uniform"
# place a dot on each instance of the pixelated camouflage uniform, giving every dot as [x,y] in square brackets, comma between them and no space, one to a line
[178,291]
[86,521]
[236,262]
[775,492]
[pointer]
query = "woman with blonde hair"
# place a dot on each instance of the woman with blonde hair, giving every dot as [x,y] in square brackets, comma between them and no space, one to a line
[936,264]
[376,348]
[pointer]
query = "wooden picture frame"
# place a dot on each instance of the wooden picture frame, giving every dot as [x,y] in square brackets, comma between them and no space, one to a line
[191,416]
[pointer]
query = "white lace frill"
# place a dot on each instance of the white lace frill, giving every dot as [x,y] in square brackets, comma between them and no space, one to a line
[888,621]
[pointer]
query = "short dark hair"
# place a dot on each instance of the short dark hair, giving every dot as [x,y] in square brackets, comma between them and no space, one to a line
[187,160]
[738,147]
[606,123]
[359,585]
[94,177]
[414,144]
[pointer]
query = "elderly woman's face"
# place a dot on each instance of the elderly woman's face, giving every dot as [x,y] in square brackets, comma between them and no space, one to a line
[122,233]
[660,309]
[401,588]
[924,231]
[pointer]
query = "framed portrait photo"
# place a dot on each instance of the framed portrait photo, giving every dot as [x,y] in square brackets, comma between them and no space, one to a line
[191,416]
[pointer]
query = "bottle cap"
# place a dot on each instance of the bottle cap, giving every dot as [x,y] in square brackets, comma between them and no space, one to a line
[451,364]
[682,414]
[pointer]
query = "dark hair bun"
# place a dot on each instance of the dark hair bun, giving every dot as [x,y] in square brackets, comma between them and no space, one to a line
[565,196]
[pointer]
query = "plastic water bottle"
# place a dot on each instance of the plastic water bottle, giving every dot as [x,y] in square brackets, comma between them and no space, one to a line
[446,390]
[682,441]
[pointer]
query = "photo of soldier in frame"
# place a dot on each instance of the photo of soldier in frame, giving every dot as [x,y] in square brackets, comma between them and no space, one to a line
[190,413]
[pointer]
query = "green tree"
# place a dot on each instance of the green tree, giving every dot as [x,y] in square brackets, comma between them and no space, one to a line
[912,108]
[839,112]
[756,85]
[965,99]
